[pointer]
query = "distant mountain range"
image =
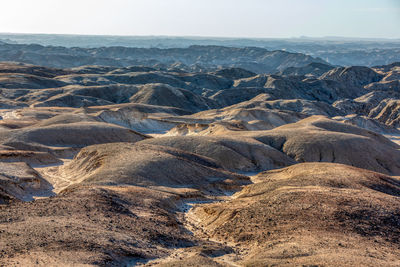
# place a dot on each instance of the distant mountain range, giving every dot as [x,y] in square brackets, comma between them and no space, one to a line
[196,58]
[335,50]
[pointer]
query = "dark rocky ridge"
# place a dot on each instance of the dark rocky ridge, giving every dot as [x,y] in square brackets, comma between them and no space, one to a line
[254,59]
[335,50]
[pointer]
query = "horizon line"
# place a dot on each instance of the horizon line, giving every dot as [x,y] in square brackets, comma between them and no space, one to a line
[207,37]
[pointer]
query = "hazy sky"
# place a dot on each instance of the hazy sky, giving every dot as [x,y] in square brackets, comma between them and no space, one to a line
[227,18]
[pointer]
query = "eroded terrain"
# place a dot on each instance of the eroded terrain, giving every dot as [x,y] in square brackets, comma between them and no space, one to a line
[171,165]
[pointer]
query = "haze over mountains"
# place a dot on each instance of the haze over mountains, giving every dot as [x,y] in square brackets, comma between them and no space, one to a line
[201,155]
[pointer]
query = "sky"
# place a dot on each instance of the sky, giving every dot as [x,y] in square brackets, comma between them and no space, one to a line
[210,18]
